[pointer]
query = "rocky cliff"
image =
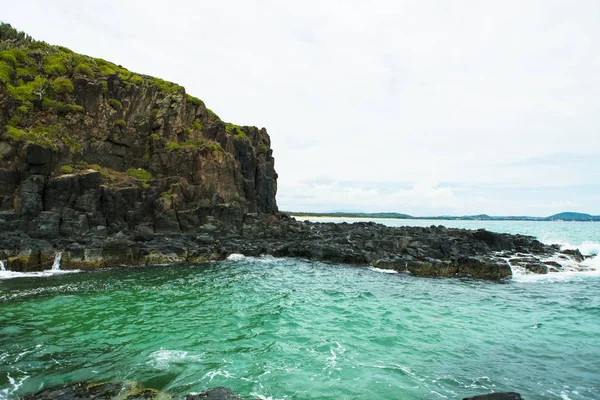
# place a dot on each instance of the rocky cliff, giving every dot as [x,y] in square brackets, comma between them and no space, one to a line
[88,147]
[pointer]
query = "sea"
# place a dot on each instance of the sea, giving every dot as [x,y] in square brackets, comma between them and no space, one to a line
[280,328]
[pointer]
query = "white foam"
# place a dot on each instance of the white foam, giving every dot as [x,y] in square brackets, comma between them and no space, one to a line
[264,259]
[37,274]
[571,270]
[383,271]
[586,248]
[56,263]
[163,359]
[212,374]
[2,266]
[8,393]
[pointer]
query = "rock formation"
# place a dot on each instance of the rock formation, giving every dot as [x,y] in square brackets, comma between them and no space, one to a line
[88,147]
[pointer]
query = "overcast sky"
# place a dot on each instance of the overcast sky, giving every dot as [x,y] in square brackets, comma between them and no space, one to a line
[421,107]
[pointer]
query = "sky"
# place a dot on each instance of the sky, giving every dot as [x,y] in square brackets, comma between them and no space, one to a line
[419,107]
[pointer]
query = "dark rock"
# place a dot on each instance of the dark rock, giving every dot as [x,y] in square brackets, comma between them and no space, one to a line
[144,233]
[496,396]
[531,264]
[167,222]
[86,391]
[218,393]
[574,254]
[44,226]
[484,267]
[39,159]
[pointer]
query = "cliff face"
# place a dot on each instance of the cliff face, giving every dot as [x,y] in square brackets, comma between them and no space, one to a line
[87,146]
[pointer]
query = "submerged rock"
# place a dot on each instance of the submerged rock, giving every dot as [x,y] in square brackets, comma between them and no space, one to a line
[121,391]
[218,393]
[496,396]
[86,391]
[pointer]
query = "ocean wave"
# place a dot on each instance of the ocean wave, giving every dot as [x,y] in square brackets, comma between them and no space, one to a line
[236,257]
[163,359]
[264,259]
[37,274]
[383,271]
[586,248]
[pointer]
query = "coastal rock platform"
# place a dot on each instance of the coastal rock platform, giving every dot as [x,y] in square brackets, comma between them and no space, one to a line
[433,251]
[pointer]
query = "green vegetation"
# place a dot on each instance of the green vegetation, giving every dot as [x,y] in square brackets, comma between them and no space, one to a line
[85,69]
[141,175]
[6,72]
[26,92]
[137,80]
[195,101]
[194,144]
[54,66]
[66,169]
[45,136]
[35,136]
[8,57]
[169,193]
[197,126]
[105,172]
[106,70]
[62,85]
[39,79]
[27,71]
[166,87]
[115,104]
[60,107]
[212,114]
[262,148]
[7,32]
[236,130]
[19,135]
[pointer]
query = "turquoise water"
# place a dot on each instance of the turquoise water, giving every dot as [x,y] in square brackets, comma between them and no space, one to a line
[289,329]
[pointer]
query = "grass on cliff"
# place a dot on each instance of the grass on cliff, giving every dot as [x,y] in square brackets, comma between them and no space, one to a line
[194,144]
[44,80]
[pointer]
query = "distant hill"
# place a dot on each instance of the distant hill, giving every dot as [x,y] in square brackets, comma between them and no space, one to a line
[573,216]
[565,216]
[352,215]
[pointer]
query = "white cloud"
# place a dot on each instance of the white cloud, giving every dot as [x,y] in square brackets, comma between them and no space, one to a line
[348,197]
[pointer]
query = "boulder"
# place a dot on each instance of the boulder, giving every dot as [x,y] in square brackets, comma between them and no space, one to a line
[218,393]
[496,396]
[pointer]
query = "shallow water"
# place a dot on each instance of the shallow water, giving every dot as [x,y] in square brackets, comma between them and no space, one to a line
[288,329]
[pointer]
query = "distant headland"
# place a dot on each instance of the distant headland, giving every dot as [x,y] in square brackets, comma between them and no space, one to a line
[564,216]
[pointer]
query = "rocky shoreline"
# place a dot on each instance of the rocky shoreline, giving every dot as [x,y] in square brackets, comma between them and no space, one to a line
[433,251]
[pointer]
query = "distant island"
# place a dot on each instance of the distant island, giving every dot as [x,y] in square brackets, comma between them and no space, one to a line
[564,216]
